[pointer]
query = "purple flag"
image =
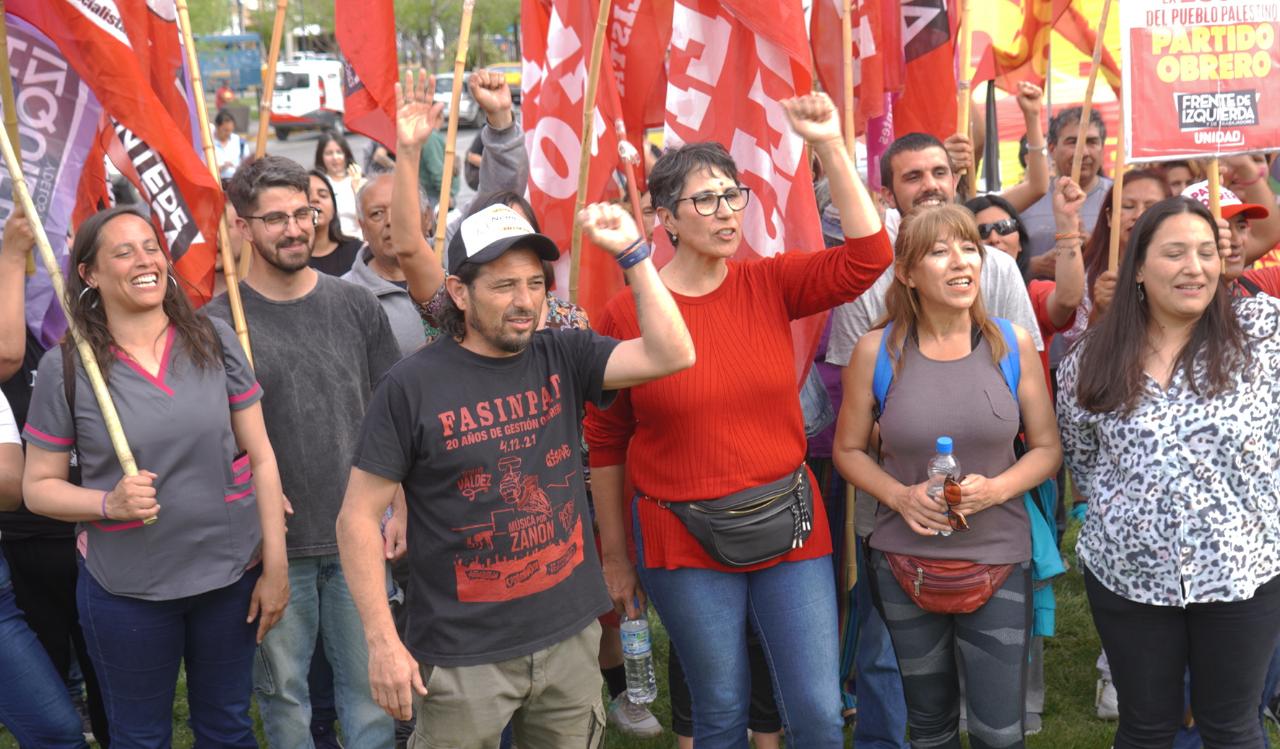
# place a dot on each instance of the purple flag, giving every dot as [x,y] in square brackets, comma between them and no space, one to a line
[57,119]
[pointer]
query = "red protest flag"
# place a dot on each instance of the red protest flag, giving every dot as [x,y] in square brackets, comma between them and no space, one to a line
[928,101]
[877,65]
[367,37]
[186,202]
[730,65]
[556,38]
[639,33]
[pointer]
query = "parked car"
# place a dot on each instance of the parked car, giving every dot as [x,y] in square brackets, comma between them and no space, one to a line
[308,96]
[470,114]
[512,72]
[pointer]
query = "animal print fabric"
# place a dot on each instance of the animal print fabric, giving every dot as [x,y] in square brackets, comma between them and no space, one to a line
[1184,492]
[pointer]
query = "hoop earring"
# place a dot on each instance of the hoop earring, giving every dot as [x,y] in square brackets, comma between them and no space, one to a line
[93,304]
[174,280]
[1142,294]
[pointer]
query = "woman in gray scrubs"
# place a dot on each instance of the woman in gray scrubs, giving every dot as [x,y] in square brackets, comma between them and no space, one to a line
[205,582]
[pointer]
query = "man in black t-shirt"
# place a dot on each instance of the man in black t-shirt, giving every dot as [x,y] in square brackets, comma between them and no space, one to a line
[482,429]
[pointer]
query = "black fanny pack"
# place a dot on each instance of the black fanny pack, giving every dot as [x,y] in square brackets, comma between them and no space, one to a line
[753,525]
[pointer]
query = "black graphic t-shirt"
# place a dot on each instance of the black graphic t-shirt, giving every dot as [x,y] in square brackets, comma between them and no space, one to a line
[501,553]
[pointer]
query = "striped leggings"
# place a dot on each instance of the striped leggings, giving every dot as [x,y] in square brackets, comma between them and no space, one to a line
[990,644]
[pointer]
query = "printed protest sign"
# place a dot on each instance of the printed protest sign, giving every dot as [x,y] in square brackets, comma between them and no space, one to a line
[1200,77]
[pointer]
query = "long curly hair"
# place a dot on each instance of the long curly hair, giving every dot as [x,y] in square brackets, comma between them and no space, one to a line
[89,315]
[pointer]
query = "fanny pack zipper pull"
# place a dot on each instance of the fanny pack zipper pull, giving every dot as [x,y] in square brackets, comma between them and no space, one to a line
[919,580]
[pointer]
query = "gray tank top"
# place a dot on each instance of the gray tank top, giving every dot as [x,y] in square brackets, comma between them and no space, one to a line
[967,400]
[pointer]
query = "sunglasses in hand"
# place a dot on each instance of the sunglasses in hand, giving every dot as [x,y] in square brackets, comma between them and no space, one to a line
[952,493]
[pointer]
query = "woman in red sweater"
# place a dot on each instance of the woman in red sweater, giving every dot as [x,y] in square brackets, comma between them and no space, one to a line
[733,423]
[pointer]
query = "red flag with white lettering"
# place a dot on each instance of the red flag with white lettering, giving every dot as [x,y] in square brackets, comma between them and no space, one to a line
[639,33]
[730,64]
[877,63]
[556,45]
[367,37]
[928,101]
[186,202]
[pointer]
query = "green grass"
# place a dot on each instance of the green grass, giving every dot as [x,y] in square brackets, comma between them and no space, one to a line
[1069,721]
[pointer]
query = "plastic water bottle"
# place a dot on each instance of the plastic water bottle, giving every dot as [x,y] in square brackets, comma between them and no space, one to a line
[637,656]
[941,466]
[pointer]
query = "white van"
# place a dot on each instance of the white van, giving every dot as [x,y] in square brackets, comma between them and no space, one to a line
[308,96]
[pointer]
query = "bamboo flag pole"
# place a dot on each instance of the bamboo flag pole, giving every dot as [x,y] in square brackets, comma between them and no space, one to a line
[22,196]
[269,80]
[10,108]
[584,160]
[224,236]
[451,138]
[1215,196]
[850,137]
[963,100]
[1117,199]
[846,51]
[1086,108]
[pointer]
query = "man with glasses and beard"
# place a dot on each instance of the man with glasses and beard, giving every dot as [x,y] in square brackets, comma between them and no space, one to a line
[319,345]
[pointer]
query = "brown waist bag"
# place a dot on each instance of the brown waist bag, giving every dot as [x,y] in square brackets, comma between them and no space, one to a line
[947,586]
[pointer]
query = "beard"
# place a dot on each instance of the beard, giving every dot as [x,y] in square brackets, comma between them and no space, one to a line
[497,337]
[275,253]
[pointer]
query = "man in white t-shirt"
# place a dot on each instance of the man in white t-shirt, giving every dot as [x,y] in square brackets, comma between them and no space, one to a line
[228,148]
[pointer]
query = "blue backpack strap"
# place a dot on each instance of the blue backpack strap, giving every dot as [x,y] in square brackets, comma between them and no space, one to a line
[1011,364]
[883,376]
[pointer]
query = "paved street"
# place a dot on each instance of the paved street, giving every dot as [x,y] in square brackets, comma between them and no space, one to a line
[301,147]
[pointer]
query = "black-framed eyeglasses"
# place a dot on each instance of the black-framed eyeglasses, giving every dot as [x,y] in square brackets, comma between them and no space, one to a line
[276,220]
[707,203]
[1004,227]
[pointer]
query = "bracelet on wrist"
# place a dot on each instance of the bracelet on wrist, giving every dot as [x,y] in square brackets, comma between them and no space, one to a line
[633,255]
[1068,235]
[104,504]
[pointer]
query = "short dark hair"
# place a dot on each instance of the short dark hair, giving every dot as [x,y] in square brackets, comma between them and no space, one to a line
[1071,116]
[911,142]
[451,320]
[221,117]
[673,167]
[330,136]
[269,171]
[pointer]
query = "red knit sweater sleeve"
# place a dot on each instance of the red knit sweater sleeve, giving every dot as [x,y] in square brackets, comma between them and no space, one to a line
[608,431]
[814,282]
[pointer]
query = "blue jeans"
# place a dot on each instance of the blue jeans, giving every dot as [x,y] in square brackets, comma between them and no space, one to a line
[318,601]
[792,610]
[882,709]
[34,704]
[137,646]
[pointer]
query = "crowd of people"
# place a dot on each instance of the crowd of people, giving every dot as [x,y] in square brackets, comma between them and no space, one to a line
[420,505]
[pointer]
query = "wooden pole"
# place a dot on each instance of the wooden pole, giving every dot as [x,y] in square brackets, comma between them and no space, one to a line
[224,239]
[451,138]
[1086,108]
[269,81]
[963,100]
[1215,196]
[22,196]
[10,108]
[584,160]
[846,46]
[1113,259]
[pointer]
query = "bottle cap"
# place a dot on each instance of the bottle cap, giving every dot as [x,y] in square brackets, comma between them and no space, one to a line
[944,445]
